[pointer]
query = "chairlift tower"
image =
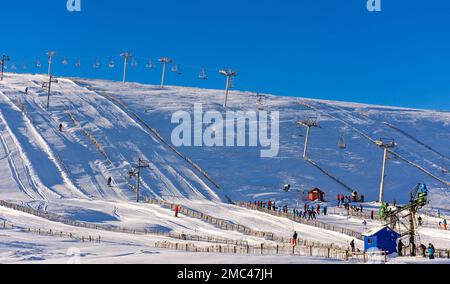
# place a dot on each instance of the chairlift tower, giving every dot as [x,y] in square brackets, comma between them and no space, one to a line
[5,58]
[385,144]
[230,74]
[308,123]
[164,61]
[125,55]
[50,55]
[136,172]
[48,86]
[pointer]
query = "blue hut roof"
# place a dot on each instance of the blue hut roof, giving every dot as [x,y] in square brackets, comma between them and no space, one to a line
[376,230]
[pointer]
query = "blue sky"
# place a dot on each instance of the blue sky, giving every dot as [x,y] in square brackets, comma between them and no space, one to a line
[328,49]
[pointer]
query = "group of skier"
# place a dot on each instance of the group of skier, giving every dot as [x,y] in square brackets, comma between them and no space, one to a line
[343,200]
[424,250]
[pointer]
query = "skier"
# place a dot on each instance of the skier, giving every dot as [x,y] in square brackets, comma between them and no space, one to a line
[26,91]
[400,247]
[445,224]
[431,251]
[324,210]
[338,197]
[60,127]
[352,245]
[371,214]
[177,209]
[294,239]
[109,181]
[365,223]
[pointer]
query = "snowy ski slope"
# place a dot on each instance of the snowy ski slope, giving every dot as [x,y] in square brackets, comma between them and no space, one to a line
[109,125]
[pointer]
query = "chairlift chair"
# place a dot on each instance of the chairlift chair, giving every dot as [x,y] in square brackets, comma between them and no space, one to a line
[202,75]
[134,63]
[96,64]
[65,61]
[78,63]
[38,63]
[111,63]
[176,69]
[150,64]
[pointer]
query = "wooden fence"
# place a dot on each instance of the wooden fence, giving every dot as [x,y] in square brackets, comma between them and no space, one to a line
[53,233]
[327,252]
[314,223]
[118,229]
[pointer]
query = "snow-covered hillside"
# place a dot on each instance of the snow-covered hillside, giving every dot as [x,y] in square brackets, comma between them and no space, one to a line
[108,126]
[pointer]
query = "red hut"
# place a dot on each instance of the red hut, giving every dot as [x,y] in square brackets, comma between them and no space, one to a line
[316,195]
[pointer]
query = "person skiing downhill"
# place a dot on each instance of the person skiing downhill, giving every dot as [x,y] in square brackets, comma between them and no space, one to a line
[60,127]
[109,181]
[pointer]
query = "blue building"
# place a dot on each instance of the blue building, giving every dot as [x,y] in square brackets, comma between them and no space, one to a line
[381,238]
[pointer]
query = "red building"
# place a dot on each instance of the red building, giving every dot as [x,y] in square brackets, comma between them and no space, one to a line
[316,195]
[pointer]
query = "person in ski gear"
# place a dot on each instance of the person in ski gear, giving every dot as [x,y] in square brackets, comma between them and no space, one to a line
[325,210]
[445,224]
[400,247]
[431,251]
[60,127]
[423,249]
[372,213]
[352,245]
[365,223]
[109,181]
[26,91]
[294,239]
[177,209]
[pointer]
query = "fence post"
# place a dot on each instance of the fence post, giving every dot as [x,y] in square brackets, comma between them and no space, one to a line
[328,252]
[277,248]
[262,248]
[310,250]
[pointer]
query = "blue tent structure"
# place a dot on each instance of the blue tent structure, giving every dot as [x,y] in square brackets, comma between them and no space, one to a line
[381,238]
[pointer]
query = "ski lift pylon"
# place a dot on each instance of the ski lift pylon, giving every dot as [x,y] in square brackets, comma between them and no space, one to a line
[176,69]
